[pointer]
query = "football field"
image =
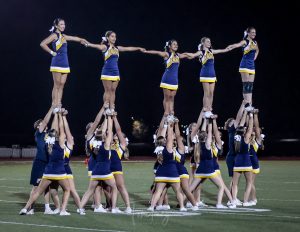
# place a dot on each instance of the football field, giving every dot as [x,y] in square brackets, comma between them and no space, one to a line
[278,208]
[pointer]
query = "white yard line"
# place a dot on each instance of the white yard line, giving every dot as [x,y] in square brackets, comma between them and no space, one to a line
[60,227]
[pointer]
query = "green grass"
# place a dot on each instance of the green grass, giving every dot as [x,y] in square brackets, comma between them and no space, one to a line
[278,189]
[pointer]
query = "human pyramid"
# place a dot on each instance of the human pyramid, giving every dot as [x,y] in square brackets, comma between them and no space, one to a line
[105,148]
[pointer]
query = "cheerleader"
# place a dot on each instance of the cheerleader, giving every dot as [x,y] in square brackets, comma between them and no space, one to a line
[167,173]
[59,64]
[256,143]
[207,73]
[67,154]
[247,65]
[206,168]
[118,150]
[242,162]
[101,172]
[169,82]
[39,163]
[55,170]
[110,75]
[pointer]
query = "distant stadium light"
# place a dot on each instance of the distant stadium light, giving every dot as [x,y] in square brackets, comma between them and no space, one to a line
[289,140]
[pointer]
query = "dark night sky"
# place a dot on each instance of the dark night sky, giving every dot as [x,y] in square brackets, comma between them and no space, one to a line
[26,82]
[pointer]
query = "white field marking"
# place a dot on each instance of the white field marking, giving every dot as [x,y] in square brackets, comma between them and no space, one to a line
[60,227]
[262,199]
[12,179]
[23,202]
[14,191]
[294,182]
[4,186]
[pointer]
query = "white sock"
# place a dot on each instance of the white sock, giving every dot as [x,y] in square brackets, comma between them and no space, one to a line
[47,206]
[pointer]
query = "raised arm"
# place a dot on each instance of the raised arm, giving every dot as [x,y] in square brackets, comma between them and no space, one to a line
[70,139]
[180,144]
[249,129]
[46,120]
[194,130]
[100,47]
[119,132]
[94,125]
[209,135]
[103,127]
[165,55]
[130,49]
[48,40]
[217,51]
[236,45]
[243,120]
[257,128]
[239,115]
[54,124]
[62,135]
[109,134]
[170,138]
[216,133]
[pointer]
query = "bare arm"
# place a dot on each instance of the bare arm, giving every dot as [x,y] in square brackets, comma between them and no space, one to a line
[243,120]
[170,138]
[249,129]
[100,47]
[179,139]
[193,55]
[256,53]
[239,115]
[161,126]
[104,126]
[94,125]
[119,133]
[217,134]
[70,139]
[75,39]
[62,135]
[48,40]
[159,53]
[183,55]
[109,135]
[217,51]
[209,135]
[257,128]
[237,45]
[194,130]
[46,120]
[130,49]
[55,122]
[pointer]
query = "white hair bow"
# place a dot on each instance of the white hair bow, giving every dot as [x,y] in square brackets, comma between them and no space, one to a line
[167,43]
[187,131]
[186,149]
[245,33]
[104,38]
[96,143]
[199,46]
[154,138]
[262,136]
[158,150]
[127,141]
[195,139]
[50,140]
[238,138]
[52,29]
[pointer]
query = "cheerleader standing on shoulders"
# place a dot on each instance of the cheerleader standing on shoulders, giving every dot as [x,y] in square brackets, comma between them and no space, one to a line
[60,63]
[169,82]
[110,75]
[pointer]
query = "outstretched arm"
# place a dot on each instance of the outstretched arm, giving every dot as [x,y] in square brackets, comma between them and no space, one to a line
[46,120]
[48,40]
[165,55]
[55,122]
[170,138]
[217,134]
[249,129]
[62,135]
[75,39]
[179,139]
[209,135]
[243,120]
[130,49]
[193,55]
[70,139]
[109,135]
[94,125]
[239,115]
[100,47]
[183,55]
[236,45]
[217,51]
[119,133]
[257,128]
[194,130]
[161,126]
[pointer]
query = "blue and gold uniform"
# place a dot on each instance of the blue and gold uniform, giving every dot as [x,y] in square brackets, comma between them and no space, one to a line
[90,145]
[110,70]
[215,152]
[41,159]
[67,155]
[60,62]
[180,158]
[231,150]
[253,156]
[55,169]
[242,162]
[116,157]
[207,73]
[206,167]
[167,171]
[247,63]
[170,77]
[101,170]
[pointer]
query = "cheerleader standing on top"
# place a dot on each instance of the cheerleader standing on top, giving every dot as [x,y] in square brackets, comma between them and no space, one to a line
[55,170]
[169,82]
[207,73]
[247,65]
[59,64]
[110,75]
